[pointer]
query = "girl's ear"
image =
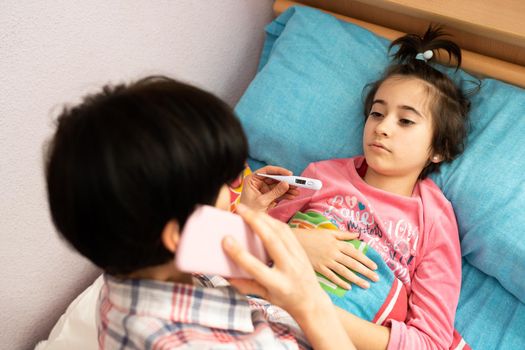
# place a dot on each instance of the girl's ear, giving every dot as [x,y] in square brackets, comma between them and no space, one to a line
[170,235]
[436,158]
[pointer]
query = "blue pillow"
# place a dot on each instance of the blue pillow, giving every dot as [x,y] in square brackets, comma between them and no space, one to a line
[486,185]
[488,316]
[305,104]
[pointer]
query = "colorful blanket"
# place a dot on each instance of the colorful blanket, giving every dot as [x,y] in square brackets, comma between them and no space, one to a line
[386,299]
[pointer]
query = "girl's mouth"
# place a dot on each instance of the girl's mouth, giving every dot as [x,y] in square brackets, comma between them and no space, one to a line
[379,146]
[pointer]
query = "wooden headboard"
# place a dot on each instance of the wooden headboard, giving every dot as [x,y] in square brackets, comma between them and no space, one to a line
[491,33]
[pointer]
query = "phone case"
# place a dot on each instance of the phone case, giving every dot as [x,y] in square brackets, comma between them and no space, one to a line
[200,248]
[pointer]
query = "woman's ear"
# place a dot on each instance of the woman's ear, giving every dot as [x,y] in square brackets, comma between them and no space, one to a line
[170,235]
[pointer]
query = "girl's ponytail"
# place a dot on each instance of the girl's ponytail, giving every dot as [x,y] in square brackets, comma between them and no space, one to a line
[412,46]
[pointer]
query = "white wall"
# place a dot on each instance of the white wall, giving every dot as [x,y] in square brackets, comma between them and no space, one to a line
[53,52]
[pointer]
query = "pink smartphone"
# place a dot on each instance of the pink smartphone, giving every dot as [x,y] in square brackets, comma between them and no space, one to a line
[200,248]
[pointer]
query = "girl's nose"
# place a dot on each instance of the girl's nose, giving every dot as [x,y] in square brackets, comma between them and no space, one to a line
[383,128]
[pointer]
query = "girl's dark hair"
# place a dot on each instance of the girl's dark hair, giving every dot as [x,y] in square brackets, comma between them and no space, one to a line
[449,106]
[129,159]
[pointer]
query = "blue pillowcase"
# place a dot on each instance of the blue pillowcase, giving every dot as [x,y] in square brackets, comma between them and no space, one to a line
[486,185]
[488,317]
[306,104]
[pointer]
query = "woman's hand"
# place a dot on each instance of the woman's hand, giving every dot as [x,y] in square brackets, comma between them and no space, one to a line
[290,283]
[291,278]
[331,256]
[262,193]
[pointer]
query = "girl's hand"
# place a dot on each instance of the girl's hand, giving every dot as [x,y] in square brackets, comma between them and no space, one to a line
[262,193]
[331,255]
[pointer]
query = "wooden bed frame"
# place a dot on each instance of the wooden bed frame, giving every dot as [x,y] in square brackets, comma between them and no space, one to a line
[491,35]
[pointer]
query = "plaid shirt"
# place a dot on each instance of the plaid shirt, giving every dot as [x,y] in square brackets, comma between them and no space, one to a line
[147,314]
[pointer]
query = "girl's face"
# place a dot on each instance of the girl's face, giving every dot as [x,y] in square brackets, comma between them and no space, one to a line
[398,132]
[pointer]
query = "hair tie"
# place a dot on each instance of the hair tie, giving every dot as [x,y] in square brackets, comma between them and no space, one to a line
[425,56]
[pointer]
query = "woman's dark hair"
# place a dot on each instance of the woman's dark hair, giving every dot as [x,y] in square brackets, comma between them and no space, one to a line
[129,159]
[449,106]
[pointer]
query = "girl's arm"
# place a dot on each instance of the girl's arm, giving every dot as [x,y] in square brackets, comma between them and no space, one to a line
[435,288]
[364,334]
[432,301]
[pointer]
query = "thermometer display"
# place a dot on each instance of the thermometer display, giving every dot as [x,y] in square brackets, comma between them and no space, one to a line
[299,181]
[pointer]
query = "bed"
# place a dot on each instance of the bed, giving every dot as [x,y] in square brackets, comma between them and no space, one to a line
[304,105]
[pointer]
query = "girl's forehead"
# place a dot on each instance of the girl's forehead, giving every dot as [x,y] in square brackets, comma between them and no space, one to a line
[409,91]
[405,82]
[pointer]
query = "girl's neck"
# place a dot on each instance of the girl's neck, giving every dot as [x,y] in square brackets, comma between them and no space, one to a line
[403,186]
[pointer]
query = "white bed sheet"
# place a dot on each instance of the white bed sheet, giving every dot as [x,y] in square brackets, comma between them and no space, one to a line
[76,328]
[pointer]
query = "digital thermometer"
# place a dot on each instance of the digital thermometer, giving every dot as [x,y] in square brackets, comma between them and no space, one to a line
[298,181]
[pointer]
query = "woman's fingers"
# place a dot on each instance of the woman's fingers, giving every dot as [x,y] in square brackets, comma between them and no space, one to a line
[241,257]
[291,193]
[273,170]
[273,194]
[290,282]
[272,233]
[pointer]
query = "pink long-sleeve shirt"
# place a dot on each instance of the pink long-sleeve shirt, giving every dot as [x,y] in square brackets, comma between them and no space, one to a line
[417,237]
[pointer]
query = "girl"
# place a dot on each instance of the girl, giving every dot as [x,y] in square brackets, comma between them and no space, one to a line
[415,119]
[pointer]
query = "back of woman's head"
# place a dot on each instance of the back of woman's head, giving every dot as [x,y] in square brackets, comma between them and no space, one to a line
[129,159]
[449,106]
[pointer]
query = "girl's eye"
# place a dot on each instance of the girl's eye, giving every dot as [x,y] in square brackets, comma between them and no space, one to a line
[406,122]
[375,114]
